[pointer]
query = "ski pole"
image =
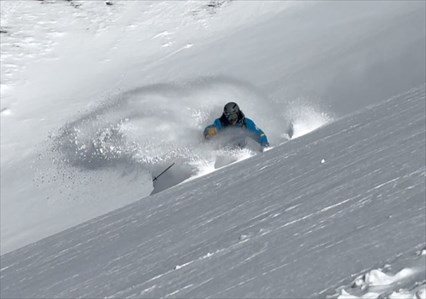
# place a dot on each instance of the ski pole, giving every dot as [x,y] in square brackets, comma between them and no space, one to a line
[155,178]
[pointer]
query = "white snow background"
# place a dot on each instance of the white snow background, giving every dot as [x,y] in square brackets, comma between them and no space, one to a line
[97,99]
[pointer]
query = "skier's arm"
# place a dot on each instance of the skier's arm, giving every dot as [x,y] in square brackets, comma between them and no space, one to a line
[211,131]
[261,137]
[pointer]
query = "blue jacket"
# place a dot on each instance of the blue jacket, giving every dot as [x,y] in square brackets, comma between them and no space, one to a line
[243,122]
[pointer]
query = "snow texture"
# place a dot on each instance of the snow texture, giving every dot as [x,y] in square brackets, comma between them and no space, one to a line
[406,283]
[280,224]
[77,142]
[97,102]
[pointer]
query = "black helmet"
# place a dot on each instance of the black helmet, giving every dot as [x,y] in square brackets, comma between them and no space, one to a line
[231,112]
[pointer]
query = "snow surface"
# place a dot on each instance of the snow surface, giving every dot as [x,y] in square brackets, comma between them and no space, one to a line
[97,102]
[407,283]
[277,225]
[77,142]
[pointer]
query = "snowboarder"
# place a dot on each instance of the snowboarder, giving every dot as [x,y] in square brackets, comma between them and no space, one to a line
[233,117]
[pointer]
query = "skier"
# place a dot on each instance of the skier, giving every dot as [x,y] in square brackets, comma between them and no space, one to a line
[233,117]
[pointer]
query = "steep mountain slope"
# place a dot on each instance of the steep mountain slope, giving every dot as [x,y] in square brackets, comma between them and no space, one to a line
[294,222]
[95,103]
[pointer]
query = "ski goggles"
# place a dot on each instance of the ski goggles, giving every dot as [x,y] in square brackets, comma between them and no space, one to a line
[231,116]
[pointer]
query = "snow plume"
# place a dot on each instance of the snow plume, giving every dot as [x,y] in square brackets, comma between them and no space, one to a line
[143,130]
[306,117]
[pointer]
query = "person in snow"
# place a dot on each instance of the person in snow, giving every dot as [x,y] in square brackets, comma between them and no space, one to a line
[233,117]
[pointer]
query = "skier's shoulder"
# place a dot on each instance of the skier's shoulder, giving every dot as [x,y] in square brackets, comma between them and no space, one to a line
[217,123]
[249,123]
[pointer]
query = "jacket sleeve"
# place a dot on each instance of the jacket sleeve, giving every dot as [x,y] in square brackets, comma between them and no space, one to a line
[211,130]
[261,137]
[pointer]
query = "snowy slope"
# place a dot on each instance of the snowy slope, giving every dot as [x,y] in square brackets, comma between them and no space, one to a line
[96,102]
[295,222]
[57,77]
